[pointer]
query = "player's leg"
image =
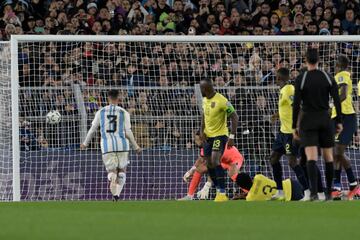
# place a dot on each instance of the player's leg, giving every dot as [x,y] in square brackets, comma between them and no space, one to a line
[122,162]
[292,151]
[326,143]
[327,154]
[340,159]
[300,175]
[278,149]
[111,165]
[200,169]
[208,158]
[120,181]
[312,155]
[320,186]
[218,148]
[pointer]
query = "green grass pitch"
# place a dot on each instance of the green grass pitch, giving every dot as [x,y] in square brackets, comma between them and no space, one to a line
[168,220]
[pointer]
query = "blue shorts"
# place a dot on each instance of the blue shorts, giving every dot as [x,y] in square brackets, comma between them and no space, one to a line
[350,127]
[284,144]
[216,144]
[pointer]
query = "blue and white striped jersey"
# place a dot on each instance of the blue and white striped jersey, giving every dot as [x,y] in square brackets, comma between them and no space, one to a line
[114,121]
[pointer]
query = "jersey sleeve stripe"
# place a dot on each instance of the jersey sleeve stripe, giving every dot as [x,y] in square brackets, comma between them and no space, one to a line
[303,81]
[103,134]
[121,130]
[327,77]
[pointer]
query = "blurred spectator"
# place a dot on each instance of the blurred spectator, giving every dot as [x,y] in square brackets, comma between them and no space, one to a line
[158,17]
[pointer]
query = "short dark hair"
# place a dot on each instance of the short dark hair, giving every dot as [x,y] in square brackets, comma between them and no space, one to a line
[312,56]
[113,94]
[283,72]
[208,80]
[342,61]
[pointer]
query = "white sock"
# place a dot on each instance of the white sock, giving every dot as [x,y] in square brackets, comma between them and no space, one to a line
[121,183]
[321,196]
[353,183]
[307,193]
[112,178]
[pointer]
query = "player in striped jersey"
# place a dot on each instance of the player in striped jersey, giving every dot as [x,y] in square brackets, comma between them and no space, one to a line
[116,134]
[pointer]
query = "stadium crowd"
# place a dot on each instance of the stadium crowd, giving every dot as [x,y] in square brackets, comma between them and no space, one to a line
[223,17]
[132,66]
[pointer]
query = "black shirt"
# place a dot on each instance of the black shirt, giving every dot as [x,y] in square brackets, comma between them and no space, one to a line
[313,89]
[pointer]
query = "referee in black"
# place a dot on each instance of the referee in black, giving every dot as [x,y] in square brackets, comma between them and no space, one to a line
[313,89]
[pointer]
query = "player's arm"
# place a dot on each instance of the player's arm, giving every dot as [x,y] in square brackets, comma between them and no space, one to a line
[94,126]
[296,103]
[129,134]
[234,118]
[335,95]
[202,128]
[343,88]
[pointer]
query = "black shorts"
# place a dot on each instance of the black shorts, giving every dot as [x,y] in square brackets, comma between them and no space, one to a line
[216,144]
[284,144]
[316,129]
[350,126]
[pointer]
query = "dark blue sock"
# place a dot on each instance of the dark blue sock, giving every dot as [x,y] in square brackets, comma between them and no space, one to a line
[277,173]
[212,174]
[337,176]
[351,177]
[301,176]
[220,178]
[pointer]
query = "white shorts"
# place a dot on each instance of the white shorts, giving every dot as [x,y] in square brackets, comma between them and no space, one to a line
[115,160]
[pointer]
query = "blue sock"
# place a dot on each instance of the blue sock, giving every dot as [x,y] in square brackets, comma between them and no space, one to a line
[351,178]
[277,172]
[337,177]
[301,176]
[220,178]
[212,174]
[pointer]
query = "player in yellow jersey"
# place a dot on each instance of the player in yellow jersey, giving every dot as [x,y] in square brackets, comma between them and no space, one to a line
[283,144]
[215,134]
[264,188]
[342,140]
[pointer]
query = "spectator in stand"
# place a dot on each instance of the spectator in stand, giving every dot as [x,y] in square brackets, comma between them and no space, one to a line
[348,24]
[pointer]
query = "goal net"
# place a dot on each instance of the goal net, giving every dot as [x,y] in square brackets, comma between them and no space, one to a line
[157,78]
[5,124]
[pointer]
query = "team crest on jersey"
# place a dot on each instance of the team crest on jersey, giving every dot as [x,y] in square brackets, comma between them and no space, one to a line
[291,98]
[213,104]
[341,79]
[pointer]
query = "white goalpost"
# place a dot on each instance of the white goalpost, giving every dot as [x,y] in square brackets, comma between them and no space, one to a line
[158,78]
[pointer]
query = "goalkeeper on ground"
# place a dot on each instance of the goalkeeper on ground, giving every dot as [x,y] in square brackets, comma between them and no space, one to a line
[231,160]
[116,134]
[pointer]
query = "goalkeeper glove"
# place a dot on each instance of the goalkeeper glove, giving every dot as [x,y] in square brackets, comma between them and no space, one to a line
[188,174]
[204,192]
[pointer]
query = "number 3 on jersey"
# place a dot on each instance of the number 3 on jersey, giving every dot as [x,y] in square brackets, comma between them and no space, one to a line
[112,123]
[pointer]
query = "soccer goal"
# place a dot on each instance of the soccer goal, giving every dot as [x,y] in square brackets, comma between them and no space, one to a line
[158,78]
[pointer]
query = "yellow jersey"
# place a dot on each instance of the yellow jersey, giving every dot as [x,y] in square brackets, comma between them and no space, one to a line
[264,188]
[347,107]
[286,99]
[215,112]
